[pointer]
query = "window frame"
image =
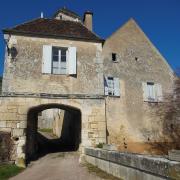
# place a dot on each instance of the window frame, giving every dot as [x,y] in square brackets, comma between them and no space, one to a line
[149,97]
[114,90]
[60,48]
[157,91]
[114,58]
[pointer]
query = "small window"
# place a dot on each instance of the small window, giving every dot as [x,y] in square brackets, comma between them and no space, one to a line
[114,57]
[111,85]
[151,91]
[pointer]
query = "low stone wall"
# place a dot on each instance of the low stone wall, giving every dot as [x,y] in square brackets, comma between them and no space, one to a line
[133,166]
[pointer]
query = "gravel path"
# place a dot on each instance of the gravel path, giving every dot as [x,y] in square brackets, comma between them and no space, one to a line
[57,166]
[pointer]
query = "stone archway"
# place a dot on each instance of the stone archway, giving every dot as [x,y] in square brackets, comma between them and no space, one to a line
[15,111]
[69,140]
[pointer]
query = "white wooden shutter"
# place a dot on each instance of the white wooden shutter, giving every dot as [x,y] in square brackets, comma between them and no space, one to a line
[47,59]
[145,91]
[116,87]
[72,60]
[159,92]
[106,86]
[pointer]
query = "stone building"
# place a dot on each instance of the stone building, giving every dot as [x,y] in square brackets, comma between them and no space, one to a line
[108,87]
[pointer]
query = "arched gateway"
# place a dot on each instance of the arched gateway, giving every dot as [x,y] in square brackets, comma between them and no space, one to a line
[19,117]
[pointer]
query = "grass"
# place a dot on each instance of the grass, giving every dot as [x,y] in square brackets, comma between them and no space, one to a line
[99,172]
[46,130]
[9,170]
[59,155]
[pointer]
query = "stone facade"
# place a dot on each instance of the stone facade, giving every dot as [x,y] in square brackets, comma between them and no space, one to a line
[24,74]
[14,119]
[130,120]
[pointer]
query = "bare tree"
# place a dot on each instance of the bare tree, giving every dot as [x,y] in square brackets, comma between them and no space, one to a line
[169,113]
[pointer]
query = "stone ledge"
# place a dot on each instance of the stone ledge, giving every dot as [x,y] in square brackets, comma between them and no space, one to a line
[153,165]
[53,96]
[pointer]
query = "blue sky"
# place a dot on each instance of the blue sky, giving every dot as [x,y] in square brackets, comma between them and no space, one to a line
[159,19]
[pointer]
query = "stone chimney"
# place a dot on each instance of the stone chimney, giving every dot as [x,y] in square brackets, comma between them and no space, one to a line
[88,22]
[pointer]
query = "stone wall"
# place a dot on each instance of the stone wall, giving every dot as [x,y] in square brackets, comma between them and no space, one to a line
[133,166]
[24,74]
[14,110]
[58,123]
[47,117]
[130,120]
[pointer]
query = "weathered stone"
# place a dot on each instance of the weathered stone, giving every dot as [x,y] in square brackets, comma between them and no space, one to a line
[20,162]
[174,155]
[3,124]
[128,166]
[17,132]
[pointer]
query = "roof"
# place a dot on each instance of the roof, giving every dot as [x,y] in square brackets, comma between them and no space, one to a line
[43,27]
[67,12]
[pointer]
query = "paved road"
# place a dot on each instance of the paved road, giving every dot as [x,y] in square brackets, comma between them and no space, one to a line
[57,166]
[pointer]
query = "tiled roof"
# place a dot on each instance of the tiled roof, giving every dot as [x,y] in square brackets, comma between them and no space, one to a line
[54,28]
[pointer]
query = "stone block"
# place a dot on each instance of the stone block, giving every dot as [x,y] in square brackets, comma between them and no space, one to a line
[174,155]
[17,132]
[9,116]
[99,118]
[22,117]
[110,147]
[22,110]
[93,125]
[102,134]
[22,124]
[3,124]
[12,109]
[90,134]
[5,129]
[11,124]
[21,142]
[91,118]
[3,109]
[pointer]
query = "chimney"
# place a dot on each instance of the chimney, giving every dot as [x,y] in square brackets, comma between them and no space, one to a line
[88,20]
[42,15]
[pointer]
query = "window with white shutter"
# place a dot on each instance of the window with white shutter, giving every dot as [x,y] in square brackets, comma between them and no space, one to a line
[59,60]
[152,92]
[47,59]
[72,62]
[111,86]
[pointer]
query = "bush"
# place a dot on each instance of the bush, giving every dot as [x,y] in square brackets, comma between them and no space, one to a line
[100,145]
[5,146]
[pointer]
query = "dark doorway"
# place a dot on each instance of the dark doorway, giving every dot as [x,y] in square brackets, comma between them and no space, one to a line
[66,132]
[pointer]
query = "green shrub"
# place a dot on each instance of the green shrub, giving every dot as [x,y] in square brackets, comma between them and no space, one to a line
[100,145]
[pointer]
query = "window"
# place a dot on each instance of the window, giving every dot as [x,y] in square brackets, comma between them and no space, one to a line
[111,86]
[59,60]
[152,92]
[110,82]
[114,57]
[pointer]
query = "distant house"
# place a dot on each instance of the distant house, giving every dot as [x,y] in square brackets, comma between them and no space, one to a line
[113,82]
